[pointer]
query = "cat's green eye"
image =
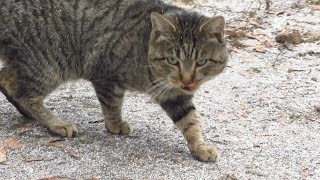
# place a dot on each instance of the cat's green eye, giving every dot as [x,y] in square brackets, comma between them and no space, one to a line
[172,61]
[202,62]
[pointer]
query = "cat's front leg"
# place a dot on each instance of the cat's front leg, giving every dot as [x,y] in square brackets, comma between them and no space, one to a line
[111,99]
[182,111]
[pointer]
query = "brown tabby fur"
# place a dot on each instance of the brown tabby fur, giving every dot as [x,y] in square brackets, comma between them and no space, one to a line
[118,45]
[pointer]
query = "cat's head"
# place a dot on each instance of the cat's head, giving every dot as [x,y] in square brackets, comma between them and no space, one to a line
[187,49]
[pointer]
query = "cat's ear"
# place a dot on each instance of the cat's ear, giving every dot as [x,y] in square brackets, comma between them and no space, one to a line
[161,24]
[214,27]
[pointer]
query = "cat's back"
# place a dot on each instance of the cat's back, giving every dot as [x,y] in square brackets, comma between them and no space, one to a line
[62,33]
[52,21]
[40,23]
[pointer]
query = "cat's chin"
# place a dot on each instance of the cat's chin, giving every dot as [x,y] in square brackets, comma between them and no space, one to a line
[188,91]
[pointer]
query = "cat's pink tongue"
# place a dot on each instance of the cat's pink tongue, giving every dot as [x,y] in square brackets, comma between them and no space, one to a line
[190,87]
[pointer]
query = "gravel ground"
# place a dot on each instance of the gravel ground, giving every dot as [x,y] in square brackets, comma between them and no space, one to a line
[262,113]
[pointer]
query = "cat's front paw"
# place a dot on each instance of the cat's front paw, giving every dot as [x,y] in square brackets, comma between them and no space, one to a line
[204,152]
[118,128]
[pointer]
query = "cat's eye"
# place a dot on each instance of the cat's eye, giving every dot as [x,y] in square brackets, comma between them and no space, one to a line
[172,61]
[202,62]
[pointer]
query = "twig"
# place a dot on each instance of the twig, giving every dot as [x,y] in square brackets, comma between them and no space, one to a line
[268,2]
[97,121]
[260,4]
[295,70]
[68,150]
[36,159]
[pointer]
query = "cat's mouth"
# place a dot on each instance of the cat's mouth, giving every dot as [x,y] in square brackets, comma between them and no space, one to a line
[189,88]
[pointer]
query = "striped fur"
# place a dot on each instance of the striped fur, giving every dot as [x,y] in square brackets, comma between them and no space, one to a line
[118,45]
[190,127]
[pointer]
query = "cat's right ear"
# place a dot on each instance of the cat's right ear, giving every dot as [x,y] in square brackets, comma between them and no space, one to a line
[161,24]
[214,27]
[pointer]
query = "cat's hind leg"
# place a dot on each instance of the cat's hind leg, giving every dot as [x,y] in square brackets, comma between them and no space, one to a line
[111,98]
[8,88]
[27,96]
[39,112]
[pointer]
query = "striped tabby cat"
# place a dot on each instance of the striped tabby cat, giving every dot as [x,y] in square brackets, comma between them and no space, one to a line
[117,45]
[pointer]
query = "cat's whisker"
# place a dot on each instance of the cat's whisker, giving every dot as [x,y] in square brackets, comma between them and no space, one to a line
[156,95]
[158,83]
[155,87]
[158,80]
[162,92]
[157,91]
[168,89]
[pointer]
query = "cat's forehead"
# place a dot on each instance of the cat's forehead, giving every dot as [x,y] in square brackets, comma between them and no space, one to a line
[186,52]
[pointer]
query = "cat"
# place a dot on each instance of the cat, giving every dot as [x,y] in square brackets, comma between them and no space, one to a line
[117,45]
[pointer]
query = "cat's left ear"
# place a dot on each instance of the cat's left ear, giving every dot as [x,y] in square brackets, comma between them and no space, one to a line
[161,23]
[214,27]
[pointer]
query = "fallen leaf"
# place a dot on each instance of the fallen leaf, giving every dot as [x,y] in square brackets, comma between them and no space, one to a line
[73,154]
[292,37]
[232,34]
[185,1]
[256,144]
[244,120]
[255,172]
[259,48]
[50,178]
[312,35]
[3,155]
[297,5]
[251,35]
[267,43]
[238,24]
[23,131]
[276,11]
[315,1]
[282,118]
[288,46]
[306,172]
[12,143]
[19,125]
[229,177]
[311,117]
[70,151]
[315,7]
[255,23]
[55,178]
[235,50]
[237,44]
[254,69]
[96,177]
[54,140]
[262,38]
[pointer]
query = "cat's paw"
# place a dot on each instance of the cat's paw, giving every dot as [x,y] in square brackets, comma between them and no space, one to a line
[204,152]
[65,129]
[118,128]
